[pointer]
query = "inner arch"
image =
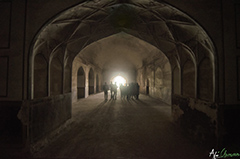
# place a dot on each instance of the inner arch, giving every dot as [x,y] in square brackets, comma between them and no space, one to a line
[128,56]
[119,80]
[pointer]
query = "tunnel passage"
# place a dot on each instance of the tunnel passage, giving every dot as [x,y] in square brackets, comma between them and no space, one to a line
[150,42]
[125,55]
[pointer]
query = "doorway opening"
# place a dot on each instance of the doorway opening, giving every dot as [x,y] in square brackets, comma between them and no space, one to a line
[119,80]
[91,81]
[81,83]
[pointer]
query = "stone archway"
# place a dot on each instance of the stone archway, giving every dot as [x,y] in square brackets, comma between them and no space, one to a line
[97,84]
[81,83]
[173,32]
[91,82]
[183,42]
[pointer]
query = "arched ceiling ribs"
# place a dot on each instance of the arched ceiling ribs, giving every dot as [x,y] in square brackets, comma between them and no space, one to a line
[67,57]
[191,53]
[174,62]
[185,54]
[154,22]
[203,51]
[38,47]
[55,50]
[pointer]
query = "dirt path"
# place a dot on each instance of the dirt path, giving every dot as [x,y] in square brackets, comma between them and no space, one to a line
[122,129]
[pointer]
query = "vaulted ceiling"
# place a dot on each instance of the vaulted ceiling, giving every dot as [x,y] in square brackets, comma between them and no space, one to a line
[119,51]
[123,33]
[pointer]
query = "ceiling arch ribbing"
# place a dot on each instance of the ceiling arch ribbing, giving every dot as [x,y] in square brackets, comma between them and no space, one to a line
[156,23]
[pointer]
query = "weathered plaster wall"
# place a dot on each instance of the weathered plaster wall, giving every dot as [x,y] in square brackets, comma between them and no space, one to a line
[155,79]
[91,82]
[76,80]
[208,14]
[46,114]
[11,49]
[198,118]
[79,82]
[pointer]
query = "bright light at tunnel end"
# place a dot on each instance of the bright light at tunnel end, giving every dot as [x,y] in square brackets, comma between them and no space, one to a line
[119,80]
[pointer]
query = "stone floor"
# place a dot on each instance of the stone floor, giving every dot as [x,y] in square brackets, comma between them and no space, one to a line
[122,129]
[117,129]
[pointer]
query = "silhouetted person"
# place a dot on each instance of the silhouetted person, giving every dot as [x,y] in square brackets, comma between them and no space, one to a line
[121,90]
[137,90]
[124,90]
[131,90]
[111,87]
[128,91]
[105,89]
[115,91]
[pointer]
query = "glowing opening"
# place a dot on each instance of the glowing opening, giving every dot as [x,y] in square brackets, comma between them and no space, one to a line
[119,80]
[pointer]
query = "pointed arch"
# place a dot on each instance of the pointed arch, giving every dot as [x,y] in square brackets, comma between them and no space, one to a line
[189,79]
[97,83]
[205,80]
[81,83]
[56,76]
[40,76]
[91,80]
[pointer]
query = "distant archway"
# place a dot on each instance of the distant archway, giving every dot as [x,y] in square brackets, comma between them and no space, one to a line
[91,81]
[119,80]
[97,84]
[81,83]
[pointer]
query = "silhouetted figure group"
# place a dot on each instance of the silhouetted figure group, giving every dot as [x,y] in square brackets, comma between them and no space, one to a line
[105,90]
[129,91]
[113,88]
